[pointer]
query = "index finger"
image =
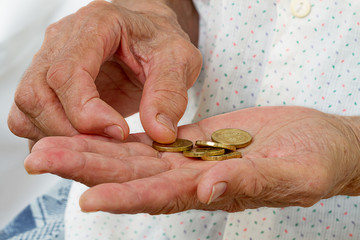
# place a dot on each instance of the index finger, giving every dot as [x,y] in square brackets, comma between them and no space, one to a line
[73,73]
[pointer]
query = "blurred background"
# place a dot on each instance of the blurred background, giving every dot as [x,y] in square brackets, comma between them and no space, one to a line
[22,27]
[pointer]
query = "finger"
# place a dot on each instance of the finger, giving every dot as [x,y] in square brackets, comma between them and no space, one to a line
[214,188]
[91,168]
[35,102]
[272,182]
[84,143]
[165,97]
[21,126]
[34,98]
[73,73]
[169,192]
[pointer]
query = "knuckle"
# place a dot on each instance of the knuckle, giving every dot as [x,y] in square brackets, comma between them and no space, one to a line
[183,46]
[95,5]
[20,127]
[15,127]
[194,57]
[198,60]
[80,120]
[101,12]
[26,100]
[53,29]
[99,25]
[58,75]
[174,99]
[188,59]
[252,187]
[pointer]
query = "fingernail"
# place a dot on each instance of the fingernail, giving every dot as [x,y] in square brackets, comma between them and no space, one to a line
[217,190]
[164,120]
[115,131]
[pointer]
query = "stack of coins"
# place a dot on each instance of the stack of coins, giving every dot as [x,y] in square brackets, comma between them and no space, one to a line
[223,145]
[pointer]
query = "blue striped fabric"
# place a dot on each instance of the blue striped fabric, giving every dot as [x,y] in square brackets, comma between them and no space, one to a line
[43,219]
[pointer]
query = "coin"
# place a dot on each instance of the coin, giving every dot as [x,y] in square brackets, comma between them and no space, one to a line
[222,157]
[232,136]
[179,145]
[201,143]
[199,152]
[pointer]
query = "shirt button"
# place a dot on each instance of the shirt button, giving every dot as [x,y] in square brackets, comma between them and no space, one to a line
[300,8]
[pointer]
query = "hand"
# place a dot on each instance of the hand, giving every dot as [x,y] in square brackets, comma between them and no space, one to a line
[102,64]
[298,156]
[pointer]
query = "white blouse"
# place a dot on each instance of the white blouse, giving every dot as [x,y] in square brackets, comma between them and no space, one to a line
[259,53]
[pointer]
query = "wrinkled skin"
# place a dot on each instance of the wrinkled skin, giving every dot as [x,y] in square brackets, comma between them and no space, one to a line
[102,64]
[298,156]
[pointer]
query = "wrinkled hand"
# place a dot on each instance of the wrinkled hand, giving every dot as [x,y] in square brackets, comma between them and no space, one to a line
[102,64]
[298,156]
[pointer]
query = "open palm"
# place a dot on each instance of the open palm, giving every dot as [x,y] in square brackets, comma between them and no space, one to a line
[298,156]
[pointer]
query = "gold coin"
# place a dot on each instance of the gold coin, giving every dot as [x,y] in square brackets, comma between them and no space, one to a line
[232,136]
[179,145]
[199,152]
[201,143]
[222,157]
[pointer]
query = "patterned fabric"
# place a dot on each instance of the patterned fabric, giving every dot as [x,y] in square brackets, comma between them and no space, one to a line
[43,219]
[185,225]
[256,53]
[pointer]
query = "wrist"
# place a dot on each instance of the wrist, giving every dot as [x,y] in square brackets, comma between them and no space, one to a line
[352,132]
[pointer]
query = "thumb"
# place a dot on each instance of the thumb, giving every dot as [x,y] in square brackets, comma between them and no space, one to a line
[231,179]
[165,98]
